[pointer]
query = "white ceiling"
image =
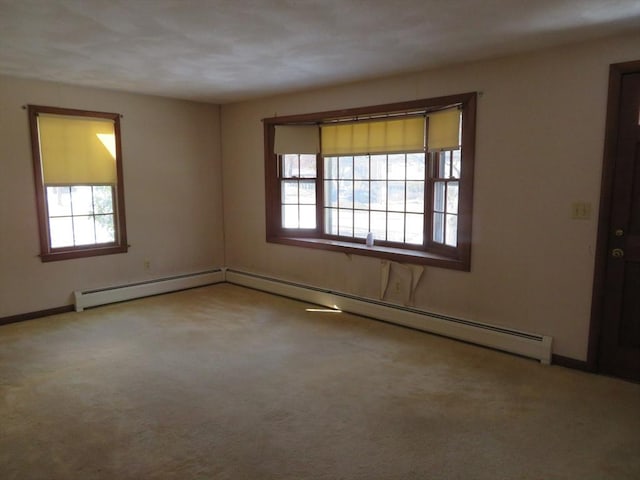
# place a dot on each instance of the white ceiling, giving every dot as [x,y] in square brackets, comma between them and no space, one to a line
[223,50]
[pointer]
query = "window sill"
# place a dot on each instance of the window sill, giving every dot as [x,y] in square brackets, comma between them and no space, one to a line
[82,253]
[389,253]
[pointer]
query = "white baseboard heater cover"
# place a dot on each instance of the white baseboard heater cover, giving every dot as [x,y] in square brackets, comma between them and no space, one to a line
[103,296]
[521,343]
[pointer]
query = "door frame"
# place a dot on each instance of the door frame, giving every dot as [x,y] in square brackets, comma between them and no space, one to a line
[616,71]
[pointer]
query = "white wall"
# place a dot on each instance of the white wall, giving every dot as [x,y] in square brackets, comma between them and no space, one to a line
[539,146]
[172,179]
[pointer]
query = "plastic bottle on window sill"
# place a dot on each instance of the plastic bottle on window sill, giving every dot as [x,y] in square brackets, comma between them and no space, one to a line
[369,239]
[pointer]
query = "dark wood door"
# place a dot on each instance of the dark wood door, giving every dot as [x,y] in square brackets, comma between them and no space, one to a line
[620,339]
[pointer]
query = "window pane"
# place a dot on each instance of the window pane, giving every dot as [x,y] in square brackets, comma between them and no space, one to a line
[361,167]
[379,225]
[395,227]
[415,166]
[361,195]
[84,230]
[331,221]
[59,201]
[452,197]
[438,196]
[81,201]
[360,224]
[345,222]
[378,167]
[452,230]
[103,199]
[331,193]
[308,192]
[345,167]
[379,195]
[455,164]
[396,196]
[289,191]
[290,167]
[307,216]
[61,232]
[290,216]
[415,229]
[443,165]
[308,166]
[415,197]
[397,167]
[105,230]
[345,193]
[438,227]
[331,167]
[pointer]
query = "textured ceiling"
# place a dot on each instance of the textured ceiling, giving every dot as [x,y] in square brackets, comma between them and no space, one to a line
[223,51]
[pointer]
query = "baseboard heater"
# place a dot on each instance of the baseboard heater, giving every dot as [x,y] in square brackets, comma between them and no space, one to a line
[521,343]
[92,298]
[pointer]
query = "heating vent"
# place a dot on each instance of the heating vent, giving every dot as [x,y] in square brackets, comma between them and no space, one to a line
[91,298]
[505,339]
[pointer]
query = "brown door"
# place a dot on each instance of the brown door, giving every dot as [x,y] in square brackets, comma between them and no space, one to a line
[620,325]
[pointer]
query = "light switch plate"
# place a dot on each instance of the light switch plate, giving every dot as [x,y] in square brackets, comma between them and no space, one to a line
[580,211]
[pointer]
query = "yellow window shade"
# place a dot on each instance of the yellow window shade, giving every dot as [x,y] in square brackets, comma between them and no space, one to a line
[444,130]
[77,150]
[296,139]
[379,136]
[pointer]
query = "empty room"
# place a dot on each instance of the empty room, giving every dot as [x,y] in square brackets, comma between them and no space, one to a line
[299,239]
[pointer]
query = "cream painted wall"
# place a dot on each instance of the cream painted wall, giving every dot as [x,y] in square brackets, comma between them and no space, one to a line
[539,146]
[172,177]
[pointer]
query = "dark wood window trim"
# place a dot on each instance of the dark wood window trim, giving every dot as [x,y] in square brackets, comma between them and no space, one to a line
[458,258]
[47,253]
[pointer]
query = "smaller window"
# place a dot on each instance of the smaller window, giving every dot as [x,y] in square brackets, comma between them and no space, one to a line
[78,176]
[298,187]
[446,187]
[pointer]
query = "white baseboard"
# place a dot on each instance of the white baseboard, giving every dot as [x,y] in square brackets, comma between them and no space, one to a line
[513,341]
[103,296]
[527,344]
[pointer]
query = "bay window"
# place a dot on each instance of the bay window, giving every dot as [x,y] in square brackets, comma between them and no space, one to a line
[400,173]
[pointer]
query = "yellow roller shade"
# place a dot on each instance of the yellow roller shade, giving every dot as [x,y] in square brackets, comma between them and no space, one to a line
[296,139]
[379,136]
[444,130]
[77,150]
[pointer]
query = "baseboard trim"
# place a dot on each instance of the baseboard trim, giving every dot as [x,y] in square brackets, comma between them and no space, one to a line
[120,293]
[569,362]
[500,338]
[38,314]
[556,359]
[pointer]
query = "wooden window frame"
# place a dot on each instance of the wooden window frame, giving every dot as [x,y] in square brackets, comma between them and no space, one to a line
[431,253]
[47,253]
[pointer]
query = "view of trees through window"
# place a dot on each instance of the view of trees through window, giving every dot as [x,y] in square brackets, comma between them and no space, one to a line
[381,194]
[80,215]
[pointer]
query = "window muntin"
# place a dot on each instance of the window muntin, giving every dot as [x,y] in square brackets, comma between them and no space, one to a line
[357,192]
[78,176]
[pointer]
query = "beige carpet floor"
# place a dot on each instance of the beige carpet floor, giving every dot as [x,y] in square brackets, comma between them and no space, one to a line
[224,382]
